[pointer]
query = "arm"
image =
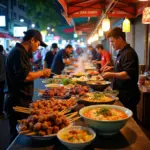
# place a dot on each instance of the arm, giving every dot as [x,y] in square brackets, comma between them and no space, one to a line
[44,65]
[67,62]
[35,75]
[120,75]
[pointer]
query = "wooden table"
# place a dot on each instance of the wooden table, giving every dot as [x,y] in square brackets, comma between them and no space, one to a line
[144,105]
[131,137]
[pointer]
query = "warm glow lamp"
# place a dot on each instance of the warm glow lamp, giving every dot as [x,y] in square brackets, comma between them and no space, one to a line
[106,24]
[100,32]
[126,25]
[96,36]
[146,15]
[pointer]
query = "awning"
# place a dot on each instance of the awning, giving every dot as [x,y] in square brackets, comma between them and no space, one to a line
[5,35]
[94,8]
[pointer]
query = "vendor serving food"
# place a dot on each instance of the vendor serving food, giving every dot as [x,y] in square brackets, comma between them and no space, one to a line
[20,76]
[125,75]
[61,59]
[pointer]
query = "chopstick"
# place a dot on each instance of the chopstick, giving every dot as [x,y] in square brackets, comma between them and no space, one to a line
[54,73]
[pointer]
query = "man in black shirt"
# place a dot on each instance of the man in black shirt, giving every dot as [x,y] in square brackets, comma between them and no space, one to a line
[20,76]
[61,59]
[2,79]
[125,77]
[50,56]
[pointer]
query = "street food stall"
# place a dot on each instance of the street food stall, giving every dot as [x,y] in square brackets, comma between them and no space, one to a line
[68,108]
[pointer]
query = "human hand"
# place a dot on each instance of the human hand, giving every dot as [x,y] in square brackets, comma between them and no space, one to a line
[93,61]
[107,75]
[106,68]
[46,73]
[75,65]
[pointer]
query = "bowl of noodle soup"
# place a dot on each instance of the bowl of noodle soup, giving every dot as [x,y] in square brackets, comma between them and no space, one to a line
[105,119]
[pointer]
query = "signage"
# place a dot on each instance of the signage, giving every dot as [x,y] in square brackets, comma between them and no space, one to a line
[18,31]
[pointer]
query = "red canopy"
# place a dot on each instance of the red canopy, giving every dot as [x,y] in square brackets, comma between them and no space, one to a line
[94,8]
[5,35]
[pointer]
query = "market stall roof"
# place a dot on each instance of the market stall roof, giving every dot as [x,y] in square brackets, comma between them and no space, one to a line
[80,10]
[94,8]
[5,35]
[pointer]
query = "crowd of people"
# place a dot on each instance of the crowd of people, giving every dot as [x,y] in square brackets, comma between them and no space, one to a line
[16,69]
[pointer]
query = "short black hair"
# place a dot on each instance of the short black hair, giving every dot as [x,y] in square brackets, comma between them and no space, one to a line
[116,33]
[54,45]
[1,48]
[99,46]
[69,46]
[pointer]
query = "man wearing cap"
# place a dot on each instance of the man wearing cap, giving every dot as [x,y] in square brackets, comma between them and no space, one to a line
[50,56]
[61,59]
[20,76]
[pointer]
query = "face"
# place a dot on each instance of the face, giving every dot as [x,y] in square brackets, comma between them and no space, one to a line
[69,50]
[90,48]
[99,50]
[55,50]
[34,45]
[116,43]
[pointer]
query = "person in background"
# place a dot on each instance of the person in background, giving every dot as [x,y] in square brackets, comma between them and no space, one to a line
[125,75]
[43,54]
[2,79]
[105,56]
[50,56]
[61,59]
[95,55]
[20,77]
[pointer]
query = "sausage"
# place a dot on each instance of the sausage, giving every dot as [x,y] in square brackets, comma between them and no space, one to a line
[55,129]
[49,130]
[42,133]
[37,126]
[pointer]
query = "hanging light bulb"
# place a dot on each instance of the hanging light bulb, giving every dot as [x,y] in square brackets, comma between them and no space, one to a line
[146,15]
[96,37]
[100,32]
[89,41]
[106,24]
[126,25]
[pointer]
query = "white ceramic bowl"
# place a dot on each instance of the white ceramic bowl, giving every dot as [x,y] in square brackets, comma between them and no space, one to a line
[106,127]
[75,146]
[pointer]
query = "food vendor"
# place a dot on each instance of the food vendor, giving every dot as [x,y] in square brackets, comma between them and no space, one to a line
[125,75]
[20,76]
[105,56]
[94,53]
[50,56]
[61,59]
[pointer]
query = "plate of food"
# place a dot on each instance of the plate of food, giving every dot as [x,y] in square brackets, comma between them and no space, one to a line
[92,98]
[60,93]
[98,85]
[60,76]
[106,120]
[76,137]
[53,85]
[78,74]
[44,126]
[51,80]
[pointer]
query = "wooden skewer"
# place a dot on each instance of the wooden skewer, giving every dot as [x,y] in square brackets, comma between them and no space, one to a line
[23,132]
[31,133]
[22,111]
[72,115]
[24,108]
[74,119]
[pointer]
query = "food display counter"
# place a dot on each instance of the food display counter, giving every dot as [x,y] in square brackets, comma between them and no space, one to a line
[130,137]
[144,104]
